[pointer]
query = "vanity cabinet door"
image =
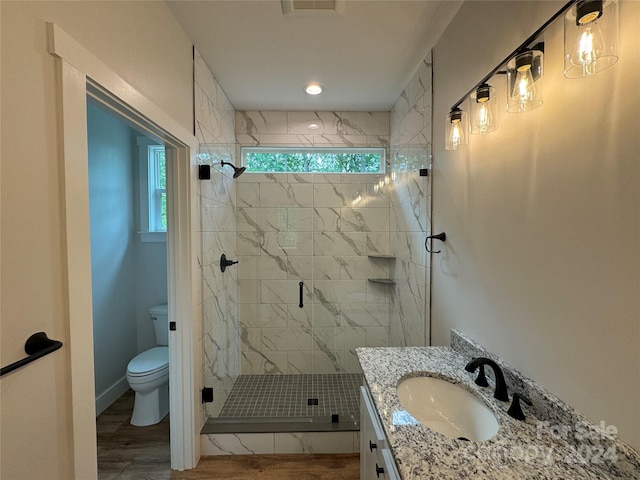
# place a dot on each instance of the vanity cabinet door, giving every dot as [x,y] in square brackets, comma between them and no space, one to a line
[372,440]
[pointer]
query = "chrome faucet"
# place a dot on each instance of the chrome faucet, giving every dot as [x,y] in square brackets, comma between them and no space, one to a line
[501,385]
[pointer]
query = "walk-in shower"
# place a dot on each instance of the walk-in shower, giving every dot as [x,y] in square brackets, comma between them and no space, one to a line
[315,279]
[274,349]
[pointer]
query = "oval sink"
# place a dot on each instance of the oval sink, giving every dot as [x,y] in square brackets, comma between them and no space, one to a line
[447,408]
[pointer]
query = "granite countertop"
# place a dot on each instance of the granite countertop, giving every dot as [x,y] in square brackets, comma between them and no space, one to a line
[527,449]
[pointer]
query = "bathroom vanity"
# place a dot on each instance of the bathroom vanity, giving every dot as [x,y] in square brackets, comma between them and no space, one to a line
[552,442]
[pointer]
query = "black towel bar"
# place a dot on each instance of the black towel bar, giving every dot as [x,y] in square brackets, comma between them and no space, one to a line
[37,345]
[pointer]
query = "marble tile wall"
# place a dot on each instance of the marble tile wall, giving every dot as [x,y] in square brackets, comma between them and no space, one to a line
[410,211]
[220,344]
[321,234]
[339,129]
[316,228]
[319,229]
[280,443]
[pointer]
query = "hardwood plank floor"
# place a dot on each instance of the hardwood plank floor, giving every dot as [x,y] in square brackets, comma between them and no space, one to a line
[275,467]
[126,452]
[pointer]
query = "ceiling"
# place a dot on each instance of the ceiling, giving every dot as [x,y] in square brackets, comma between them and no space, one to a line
[363,54]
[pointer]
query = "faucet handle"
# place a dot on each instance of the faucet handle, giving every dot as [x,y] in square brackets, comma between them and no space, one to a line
[515,410]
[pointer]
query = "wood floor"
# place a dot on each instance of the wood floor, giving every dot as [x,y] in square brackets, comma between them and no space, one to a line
[140,453]
[128,452]
[275,467]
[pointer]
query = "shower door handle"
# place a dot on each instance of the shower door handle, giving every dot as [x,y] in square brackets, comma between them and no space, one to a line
[301,284]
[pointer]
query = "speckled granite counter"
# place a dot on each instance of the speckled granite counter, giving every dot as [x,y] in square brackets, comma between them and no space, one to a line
[532,449]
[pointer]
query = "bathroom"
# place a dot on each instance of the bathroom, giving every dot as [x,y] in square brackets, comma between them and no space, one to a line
[483,221]
[129,262]
[322,337]
[541,242]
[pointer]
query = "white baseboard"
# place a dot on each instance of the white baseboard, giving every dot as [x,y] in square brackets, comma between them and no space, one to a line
[111,394]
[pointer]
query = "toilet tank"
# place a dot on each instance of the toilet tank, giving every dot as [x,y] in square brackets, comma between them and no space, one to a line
[160,316]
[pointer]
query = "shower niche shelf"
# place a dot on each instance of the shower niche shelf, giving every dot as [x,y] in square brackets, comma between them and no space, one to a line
[384,281]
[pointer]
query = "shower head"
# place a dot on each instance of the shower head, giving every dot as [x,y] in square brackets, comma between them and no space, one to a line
[237,171]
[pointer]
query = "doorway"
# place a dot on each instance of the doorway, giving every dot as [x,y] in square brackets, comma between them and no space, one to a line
[81,73]
[128,224]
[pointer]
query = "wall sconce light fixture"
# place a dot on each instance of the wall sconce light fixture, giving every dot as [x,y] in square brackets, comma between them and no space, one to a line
[456,128]
[590,37]
[484,113]
[524,73]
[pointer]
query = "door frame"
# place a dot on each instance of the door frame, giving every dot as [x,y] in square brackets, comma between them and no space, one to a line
[79,69]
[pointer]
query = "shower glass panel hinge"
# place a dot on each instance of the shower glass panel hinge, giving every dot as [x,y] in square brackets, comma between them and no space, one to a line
[172,326]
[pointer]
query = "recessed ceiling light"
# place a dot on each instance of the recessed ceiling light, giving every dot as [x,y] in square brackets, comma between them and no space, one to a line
[313,89]
[313,126]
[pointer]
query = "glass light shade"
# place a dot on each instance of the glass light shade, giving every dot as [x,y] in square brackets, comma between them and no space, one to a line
[590,37]
[483,110]
[524,81]
[456,129]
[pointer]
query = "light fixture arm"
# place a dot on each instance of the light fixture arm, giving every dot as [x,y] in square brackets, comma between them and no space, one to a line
[526,45]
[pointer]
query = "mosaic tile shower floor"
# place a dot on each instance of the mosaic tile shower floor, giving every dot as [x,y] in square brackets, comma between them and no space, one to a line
[283,396]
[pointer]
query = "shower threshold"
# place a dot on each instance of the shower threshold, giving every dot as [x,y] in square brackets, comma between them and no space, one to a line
[277,425]
[290,403]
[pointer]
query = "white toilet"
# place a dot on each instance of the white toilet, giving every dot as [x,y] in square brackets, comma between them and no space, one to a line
[148,374]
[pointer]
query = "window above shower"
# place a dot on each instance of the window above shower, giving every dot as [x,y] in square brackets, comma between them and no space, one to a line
[313,160]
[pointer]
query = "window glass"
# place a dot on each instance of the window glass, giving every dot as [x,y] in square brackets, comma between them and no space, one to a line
[157,189]
[321,160]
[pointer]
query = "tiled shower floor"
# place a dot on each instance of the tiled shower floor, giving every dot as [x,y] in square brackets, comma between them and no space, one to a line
[304,395]
[267,414]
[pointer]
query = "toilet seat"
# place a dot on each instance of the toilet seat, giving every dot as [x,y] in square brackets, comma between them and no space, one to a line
[149,365]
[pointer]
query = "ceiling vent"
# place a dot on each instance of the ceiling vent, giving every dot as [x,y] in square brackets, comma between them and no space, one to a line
[312,6]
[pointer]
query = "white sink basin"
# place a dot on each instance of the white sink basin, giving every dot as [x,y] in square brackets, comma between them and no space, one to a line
[447,408]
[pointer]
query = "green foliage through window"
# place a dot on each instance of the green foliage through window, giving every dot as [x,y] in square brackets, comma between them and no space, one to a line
[157,189]
[321,160]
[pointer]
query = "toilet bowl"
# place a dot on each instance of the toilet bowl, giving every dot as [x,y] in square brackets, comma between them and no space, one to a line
[148,375]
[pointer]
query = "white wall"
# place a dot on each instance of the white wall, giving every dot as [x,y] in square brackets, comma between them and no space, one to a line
[141,41]
[541,264]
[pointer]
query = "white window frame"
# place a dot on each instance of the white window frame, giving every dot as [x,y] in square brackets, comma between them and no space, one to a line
[330,150]
[150,196]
